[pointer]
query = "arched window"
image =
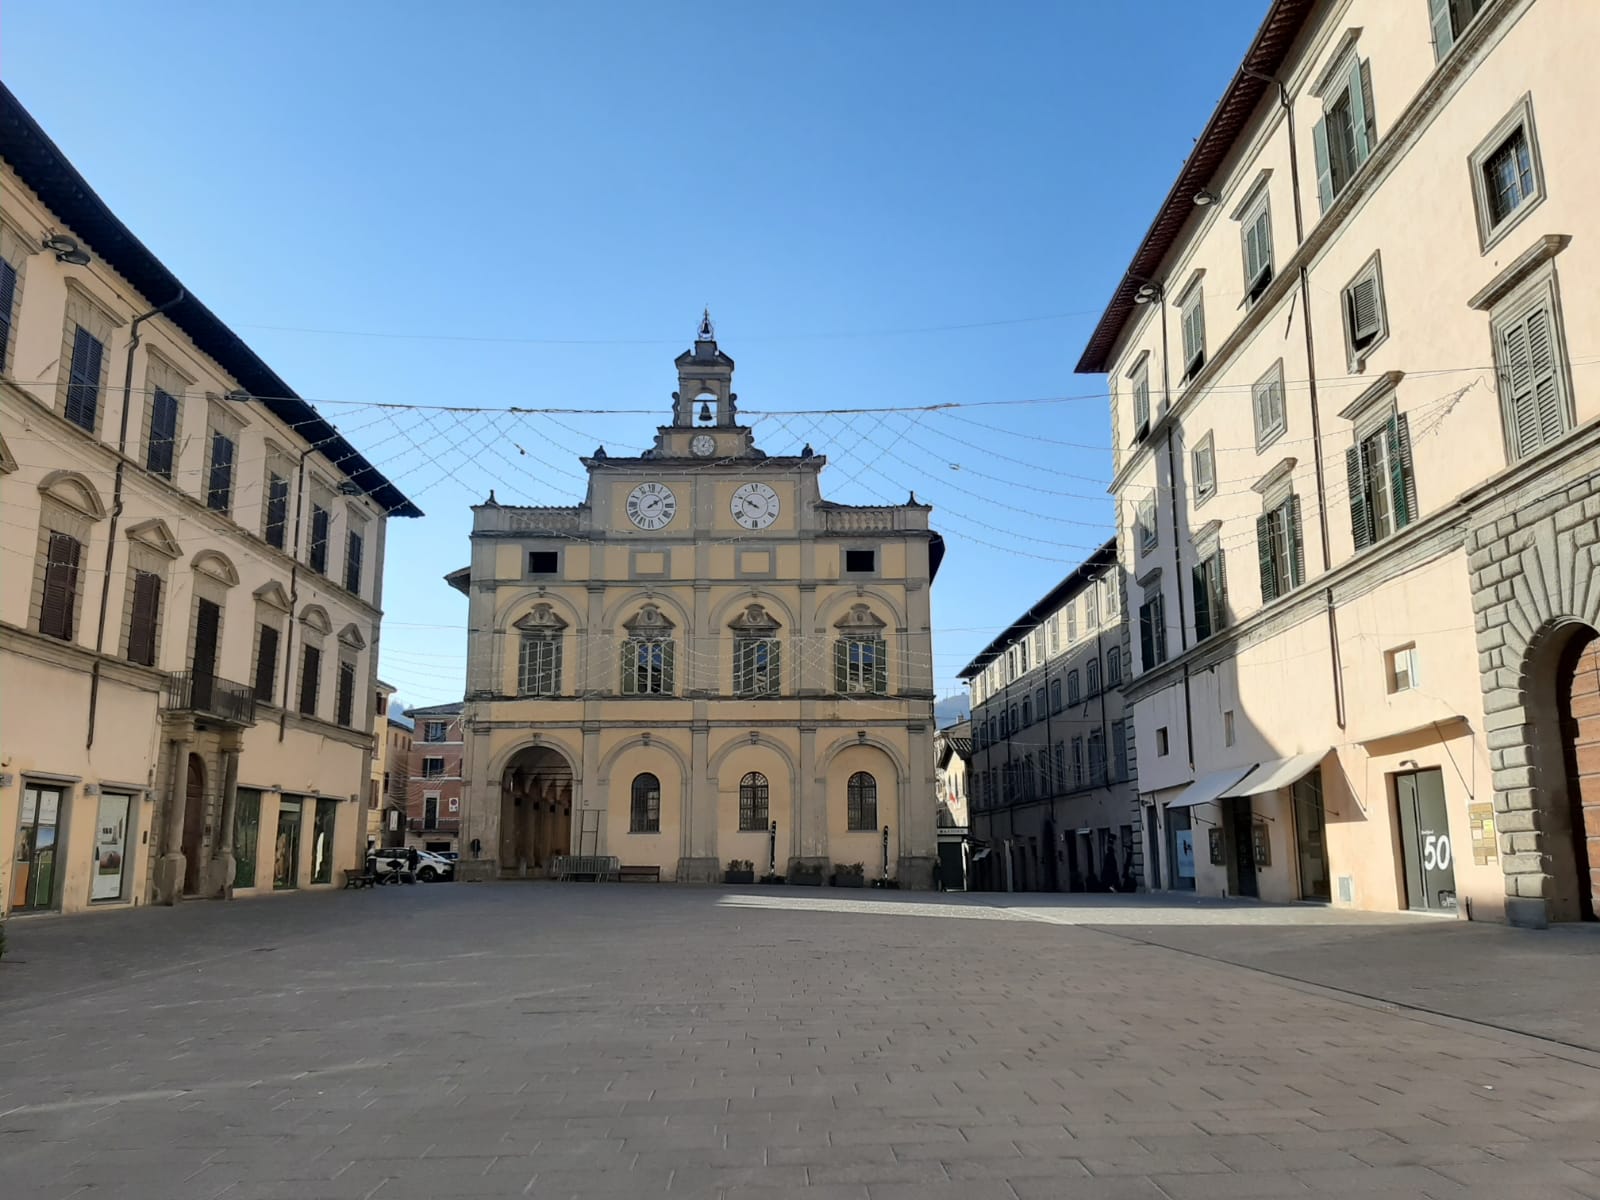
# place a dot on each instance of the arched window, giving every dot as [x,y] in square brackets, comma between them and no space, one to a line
[1094,676]
[646,817]
[1027,712]
[862,796]
[753,802]
[1055,695]
[1073,690]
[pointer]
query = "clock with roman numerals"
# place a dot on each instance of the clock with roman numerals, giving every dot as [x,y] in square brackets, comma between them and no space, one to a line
[652,506]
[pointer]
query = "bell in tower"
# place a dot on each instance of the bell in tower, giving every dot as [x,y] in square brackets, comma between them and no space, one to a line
[705,382]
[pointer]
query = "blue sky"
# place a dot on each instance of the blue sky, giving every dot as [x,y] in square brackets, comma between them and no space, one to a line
[495,204]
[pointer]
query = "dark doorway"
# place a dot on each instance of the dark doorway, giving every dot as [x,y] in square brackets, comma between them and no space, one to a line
[1425,841]
[194,825]
[1311,838]
[1238,822]
[536,811]
[1152,849]
[1052,866]
[1578,693]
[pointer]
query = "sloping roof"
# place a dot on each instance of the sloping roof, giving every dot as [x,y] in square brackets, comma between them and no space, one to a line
[1250,81]
[1092,567]
[437,710]
[41,165]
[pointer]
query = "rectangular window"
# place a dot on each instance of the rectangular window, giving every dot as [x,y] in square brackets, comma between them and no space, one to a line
[1114,667]
[1255,233]
[434,731]
[432,768]
[1141,400]
[1401,664]
[860,560]
[1267,398]
[1097,758]
[543,562]
[8,299]
[1281,549]
[145,618]
[1144,524]
[1507,175]
[1194,333]
[219,473]
[1077,762]
[1091,607]
[344,699]
[1449,18]
[1366,322]
[1345,136]
[277,517]
[59,607]
[310,679]
[647,667]
[83,379]
[1162,745]
[1092,676]
[539,665]
[352,562]
[1204,458]
[1153,630]
[319,539]
[430,811]
[861,666]
[1227,728]
[1530,359]
[162,438]
[1210,596]
[266,663]
[1072,622]
[1378,473]
[756,666]
[1119,749]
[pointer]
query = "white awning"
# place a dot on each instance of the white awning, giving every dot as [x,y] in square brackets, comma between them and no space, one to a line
[1277,773]
[1209,787]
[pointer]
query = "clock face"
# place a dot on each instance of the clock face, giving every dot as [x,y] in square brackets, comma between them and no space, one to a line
[652,505]
[755,506]
[703,446]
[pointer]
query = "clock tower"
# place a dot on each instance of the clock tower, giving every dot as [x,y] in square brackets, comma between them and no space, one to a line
[703,661]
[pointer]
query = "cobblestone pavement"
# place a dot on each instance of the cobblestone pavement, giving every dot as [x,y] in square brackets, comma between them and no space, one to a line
[580,1041]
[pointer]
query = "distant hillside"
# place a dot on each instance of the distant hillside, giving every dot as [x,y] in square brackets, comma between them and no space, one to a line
[951,709]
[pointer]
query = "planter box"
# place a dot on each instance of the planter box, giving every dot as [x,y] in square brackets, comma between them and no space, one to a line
[806,879]
[738,877]
[854,881]
[772,879]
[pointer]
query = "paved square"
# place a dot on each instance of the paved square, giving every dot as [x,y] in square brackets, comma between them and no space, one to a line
[635,1040]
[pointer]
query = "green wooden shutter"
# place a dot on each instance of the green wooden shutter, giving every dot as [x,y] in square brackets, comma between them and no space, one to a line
[1402,478]
[1319,143]
[668,672]
[1532,401]
[1269,573]
[142,623]
[1297,553]
[1550,411]
[1360,518]
[880,667]
[83,379]
[841,665]
[1444,33]
[1202,604]
[627,660]
[1360,101]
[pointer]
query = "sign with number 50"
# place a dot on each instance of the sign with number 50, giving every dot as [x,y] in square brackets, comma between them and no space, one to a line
[1436,852]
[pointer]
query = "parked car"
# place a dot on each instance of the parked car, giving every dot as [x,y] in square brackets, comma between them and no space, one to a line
[433,867]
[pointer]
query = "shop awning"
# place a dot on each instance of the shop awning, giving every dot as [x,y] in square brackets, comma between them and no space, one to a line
[1277,773]
[1209,787]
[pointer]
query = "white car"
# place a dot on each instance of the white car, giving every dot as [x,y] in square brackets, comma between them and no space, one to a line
[390,865]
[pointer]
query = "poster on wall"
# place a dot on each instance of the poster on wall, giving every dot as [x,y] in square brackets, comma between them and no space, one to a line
[1184,840]
[110,848]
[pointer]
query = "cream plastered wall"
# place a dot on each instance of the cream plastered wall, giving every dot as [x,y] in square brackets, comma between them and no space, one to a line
[774,758]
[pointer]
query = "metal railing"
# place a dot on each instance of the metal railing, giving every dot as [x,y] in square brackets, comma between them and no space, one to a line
[212,696]
[440,825]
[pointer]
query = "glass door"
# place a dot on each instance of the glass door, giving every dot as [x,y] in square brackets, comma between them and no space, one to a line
[33,878]
[286,852]
[110,847]
[1425,840]
[1311,838]
[322,841]
[246,837]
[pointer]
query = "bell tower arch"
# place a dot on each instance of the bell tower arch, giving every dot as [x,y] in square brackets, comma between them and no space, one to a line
[705,395]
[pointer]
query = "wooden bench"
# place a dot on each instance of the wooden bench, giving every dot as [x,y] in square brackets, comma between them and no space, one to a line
[638,874]
[359,879]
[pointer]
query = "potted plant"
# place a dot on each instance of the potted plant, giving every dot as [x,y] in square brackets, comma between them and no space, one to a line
[740,870]
[849,875]
[883,881]
[770,878]
[806,874]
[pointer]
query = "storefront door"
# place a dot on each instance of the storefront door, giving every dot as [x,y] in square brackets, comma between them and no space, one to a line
[1311,838]
[286,850]
[1240,821]
[1425,841]
[110,847]
[322,841]
[246,837]
[33,876]
[1181,836]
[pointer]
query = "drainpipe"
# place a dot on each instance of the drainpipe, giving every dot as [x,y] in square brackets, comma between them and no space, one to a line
[116,507]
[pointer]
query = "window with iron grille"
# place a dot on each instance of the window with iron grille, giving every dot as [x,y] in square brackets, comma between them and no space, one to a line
[753,802]
[1255,234]
[1027,713]
[647,667]
[539,665]
[1061,764]
[1507,174]
[1119,748]
[861,803]
[1204,459]
[860,666]
[1077,762]
[645,811]
[756,666]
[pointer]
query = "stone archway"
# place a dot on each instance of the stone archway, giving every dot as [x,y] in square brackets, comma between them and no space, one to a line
[535,811]
[1577,697]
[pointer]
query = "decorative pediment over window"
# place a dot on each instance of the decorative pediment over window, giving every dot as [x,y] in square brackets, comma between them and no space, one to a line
[155,534]
[542,618]
[8,464]
[217,566]
[649,621]
[76,492]
[754,619]
[350,637]
[273,596]
[315,618]
[861,620]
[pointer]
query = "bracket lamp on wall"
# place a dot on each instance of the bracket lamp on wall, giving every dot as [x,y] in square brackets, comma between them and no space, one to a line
[66,250]
[1146,293]
[1205,197]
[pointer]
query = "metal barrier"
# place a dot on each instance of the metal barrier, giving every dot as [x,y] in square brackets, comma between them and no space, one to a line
[599,867]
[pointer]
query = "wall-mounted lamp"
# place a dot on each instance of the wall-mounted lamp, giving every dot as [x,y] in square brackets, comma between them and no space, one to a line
[348,488]
[238,396]
[1146,293]
[66,250]
[1205,197]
